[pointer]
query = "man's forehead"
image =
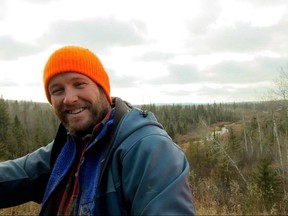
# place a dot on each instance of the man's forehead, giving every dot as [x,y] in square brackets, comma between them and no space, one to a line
[68,76]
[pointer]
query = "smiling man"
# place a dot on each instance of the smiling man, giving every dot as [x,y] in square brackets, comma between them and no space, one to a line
[78,102]
[107,158]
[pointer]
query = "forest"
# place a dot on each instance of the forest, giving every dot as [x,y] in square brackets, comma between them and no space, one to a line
[238,152]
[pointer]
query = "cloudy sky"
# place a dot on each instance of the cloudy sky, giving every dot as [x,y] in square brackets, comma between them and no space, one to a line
[155,51]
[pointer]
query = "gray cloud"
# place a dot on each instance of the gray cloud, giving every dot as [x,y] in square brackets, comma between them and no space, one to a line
[12,49]
[229,93]
[155,56]
[242,38]
[260,69]
[179,74]
[122,81]
[278,35]
[210,12]
[239,38]
[99,33]
[179,93]
[225,93]
[96,33]
[182,74]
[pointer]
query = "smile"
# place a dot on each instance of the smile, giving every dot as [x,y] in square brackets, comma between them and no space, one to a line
[76,111]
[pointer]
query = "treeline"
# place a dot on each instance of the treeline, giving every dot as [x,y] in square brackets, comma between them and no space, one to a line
[24,127]
[27,125]
[238,152]
[180,119]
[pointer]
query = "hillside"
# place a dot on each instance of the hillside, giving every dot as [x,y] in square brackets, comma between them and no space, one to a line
[237,152]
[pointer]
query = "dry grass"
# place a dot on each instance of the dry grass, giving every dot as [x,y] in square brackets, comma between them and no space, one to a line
[33,209]
[30,208]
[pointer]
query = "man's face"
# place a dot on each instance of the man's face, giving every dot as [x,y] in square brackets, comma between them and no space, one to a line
[78,102]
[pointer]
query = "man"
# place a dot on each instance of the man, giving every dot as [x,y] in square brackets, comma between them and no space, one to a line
[108,158]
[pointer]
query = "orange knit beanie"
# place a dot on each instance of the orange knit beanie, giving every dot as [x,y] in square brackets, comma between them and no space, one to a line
[76,59]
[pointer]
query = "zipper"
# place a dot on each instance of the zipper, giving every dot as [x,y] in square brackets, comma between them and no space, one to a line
[110,148]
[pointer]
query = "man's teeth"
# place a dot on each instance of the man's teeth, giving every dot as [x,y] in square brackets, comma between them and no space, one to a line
[75,111]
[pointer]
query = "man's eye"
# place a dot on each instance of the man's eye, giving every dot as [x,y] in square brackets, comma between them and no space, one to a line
[80,85]
[56,91]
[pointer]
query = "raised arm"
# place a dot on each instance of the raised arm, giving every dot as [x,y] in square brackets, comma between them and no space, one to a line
[24,179]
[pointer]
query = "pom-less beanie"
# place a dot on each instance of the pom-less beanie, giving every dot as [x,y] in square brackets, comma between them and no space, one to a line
[76,59]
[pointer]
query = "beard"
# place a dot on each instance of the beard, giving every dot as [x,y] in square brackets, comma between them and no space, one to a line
[83,125]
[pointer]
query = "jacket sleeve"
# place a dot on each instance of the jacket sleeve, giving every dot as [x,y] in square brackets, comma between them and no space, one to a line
[25,179]
[155,175]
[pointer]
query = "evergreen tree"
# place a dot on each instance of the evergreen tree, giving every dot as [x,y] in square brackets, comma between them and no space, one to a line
[20,138]
[269,184]
[4,121]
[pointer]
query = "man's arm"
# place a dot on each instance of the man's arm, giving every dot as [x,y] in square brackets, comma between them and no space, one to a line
[155,178]
[25,179]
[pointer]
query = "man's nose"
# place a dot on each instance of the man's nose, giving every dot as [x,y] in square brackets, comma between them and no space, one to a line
[70,97]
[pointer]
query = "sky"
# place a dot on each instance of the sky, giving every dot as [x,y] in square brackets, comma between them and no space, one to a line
[155,51]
